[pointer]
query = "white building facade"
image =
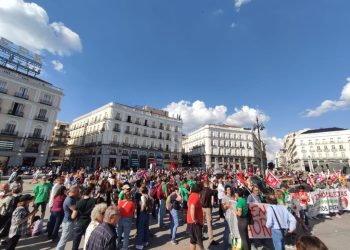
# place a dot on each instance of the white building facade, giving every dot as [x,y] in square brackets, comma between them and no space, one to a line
[120,136]
[225,145]
[29,108]
[59,141]
[318,148]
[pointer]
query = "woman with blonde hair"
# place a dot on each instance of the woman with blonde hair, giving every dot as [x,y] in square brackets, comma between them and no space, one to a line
[96,219]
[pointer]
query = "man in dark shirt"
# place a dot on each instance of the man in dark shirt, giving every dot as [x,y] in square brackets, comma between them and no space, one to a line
[104,237]
[206,199]
[84,207]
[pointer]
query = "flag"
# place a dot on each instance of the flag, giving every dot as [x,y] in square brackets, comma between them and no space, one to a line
[272,180]
[172,166]
[241,179]
[310,181]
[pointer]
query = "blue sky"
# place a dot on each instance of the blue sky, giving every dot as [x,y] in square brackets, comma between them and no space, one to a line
[280,57]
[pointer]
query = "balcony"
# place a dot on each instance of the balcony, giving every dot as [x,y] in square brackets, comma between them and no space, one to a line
[3,90]
[116,129]
[161,127]
[9,132]
[127,132]
[31,150]
[21,95]
[153,136]
[16,113]
[145,135]
[167,129]
[160,137]
[129,121]
[137,133]
[46,102]
[118,118]
[153,126]
[36,136]
[41,118]
[168,139]
[138,123]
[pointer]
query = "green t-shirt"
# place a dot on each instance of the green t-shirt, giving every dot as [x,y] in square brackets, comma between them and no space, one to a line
[42,192]
[184,193]
[121,195]
[191,183]
[242,203]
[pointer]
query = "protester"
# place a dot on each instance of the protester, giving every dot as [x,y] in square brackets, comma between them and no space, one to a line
[206,197]
[175,201]
[57,213]
[97,215]
[70,214]
[42,192]
[19,221]
[127,208]
[310,243]
[143,220]
[84,208]
[254,197]
[103,237]
[281,221]
[242,217]
[221,194]
[195,219]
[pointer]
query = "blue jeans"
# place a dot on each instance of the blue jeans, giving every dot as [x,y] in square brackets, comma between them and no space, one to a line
[124,226]
[161,212]
[278,237]
[174,223]
[226,235]
[142,229]
[67,233]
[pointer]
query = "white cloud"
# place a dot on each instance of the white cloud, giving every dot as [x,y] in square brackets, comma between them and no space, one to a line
[218,12]
[330,105]
[246,117]
[57,65]
[197,114]
[233,25]
[27,24]
[239,3]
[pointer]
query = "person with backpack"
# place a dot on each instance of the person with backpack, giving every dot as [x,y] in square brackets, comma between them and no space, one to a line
[143,221]
[206,196]
[174,207]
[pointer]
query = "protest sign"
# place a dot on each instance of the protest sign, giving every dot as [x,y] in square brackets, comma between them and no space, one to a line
[272,180]
[325,201]
[259,230]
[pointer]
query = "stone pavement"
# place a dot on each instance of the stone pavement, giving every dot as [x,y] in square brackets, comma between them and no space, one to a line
[334,232]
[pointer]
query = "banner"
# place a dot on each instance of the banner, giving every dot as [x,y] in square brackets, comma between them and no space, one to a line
[259,230]
[272,180]
[325,201]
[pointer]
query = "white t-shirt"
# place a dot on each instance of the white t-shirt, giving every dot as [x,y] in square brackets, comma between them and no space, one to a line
[221,191]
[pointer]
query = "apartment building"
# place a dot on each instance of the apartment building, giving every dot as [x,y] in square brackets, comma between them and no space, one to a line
[59,141]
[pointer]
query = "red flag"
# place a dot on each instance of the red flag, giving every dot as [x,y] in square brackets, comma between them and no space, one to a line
[310,181]
[272,180]
[172,166]
[241,179]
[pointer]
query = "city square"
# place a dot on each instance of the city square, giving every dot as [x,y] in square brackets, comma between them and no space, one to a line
[174,124]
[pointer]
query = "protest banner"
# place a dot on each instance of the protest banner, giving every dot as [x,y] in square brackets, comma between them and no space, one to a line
[272,180]
[259,230]
[325,201]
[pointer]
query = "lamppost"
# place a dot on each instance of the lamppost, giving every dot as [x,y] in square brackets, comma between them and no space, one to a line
[259,126]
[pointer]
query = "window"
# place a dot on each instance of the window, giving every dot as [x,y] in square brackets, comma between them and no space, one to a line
[37,132]
[3,85]
[146,124]
[17,109]
[42,113]
[10,127]
[129,118]
[333,146]
[22,92]
[341,147]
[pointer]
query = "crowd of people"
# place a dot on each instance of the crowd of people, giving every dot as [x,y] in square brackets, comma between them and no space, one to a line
[101,207]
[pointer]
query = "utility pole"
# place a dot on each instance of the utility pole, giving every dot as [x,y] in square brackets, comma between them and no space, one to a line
[259,126]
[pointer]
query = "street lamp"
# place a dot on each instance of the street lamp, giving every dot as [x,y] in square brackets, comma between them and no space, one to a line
[259,126]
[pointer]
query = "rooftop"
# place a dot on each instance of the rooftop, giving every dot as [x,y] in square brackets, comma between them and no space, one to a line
[323,130]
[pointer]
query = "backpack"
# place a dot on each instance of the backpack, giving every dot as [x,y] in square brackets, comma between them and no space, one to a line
[153,192]
[149,205]
[168,204]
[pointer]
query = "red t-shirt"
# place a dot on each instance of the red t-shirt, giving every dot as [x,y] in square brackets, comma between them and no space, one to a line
[193,199]
[126,208]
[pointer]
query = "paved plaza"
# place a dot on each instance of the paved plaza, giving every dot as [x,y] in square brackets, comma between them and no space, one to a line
[334,232]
